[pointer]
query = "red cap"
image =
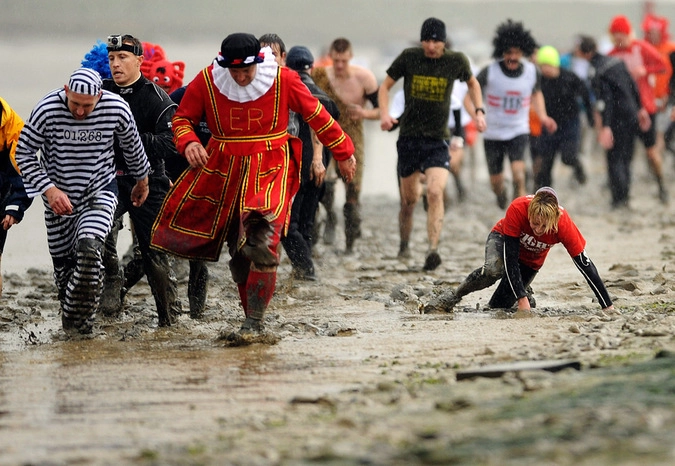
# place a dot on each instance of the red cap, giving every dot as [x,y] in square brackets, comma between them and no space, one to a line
[620,24]
[656,23]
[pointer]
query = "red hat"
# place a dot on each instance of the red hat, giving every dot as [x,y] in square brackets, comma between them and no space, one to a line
[656,23]
[620,24]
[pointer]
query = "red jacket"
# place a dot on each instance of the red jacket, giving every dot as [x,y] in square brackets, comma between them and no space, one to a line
[643,62]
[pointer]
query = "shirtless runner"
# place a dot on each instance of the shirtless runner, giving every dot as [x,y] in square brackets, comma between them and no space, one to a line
[354,89]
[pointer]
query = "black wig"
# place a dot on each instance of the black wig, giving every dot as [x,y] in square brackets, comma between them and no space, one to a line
[510,34]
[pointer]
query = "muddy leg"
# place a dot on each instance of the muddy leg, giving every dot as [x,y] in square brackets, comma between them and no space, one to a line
[259,292]
[197,288]
[352,215]
[82,292]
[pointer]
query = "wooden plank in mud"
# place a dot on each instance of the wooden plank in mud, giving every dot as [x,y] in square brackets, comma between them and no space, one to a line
[497,370]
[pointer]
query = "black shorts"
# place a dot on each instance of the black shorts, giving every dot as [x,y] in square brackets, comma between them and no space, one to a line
[496,151]
[648,137]
[418,154]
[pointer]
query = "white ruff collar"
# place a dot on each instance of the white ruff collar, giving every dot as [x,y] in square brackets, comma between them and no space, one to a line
[265,75]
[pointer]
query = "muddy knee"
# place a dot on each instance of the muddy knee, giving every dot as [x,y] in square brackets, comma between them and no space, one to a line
[493,269]
[90,249]
[258,246]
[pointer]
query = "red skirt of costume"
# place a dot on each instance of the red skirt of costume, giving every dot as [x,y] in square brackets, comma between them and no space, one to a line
[205,204]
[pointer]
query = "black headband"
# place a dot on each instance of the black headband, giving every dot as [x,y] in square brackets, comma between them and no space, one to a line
[116,44]
[135,49]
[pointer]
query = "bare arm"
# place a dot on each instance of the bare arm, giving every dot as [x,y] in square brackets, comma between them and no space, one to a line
[386,120]
[368,88]
[317,171]
[474,100]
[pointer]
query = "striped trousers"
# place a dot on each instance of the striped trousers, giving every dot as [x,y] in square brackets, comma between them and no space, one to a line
[75,243]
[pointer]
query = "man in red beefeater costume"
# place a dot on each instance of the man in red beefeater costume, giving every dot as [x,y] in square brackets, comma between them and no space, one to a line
[241,186]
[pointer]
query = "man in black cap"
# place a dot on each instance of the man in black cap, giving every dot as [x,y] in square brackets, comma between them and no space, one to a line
[241,186]
[428,74]
[315,158]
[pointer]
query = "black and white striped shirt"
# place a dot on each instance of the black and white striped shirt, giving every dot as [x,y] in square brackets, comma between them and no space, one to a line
[77,155]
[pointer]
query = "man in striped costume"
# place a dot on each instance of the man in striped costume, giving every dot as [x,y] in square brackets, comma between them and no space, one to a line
[242,184]
[74,129]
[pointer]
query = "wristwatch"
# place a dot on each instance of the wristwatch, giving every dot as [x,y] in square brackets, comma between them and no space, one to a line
[480,109]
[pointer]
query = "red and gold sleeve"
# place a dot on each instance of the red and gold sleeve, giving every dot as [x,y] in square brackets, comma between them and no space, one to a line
[189,114]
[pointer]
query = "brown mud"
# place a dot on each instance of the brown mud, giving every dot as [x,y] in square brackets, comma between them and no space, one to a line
[353,373]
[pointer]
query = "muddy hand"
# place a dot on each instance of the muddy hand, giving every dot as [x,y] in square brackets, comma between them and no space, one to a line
[139,193]
[317,172]
[347,169]
[58,201]
[355,112]
[387,122]
[8,221]
[196,155]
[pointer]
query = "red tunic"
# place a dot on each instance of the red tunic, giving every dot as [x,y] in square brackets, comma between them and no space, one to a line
[533,248]
[251,166]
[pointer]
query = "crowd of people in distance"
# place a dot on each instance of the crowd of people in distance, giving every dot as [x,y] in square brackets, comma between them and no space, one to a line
[249,151]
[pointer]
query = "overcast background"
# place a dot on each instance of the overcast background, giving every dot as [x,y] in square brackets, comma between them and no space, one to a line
[56,34]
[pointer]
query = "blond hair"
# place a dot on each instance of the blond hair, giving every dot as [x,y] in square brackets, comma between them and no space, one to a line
[544,205]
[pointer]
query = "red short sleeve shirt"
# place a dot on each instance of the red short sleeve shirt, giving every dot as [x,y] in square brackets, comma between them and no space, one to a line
[533,248]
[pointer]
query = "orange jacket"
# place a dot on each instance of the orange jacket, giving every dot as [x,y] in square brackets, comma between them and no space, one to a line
[11,125]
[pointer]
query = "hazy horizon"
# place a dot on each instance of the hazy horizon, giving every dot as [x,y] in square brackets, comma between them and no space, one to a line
[382,24]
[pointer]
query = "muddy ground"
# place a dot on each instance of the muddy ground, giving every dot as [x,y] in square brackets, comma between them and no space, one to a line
[358,375]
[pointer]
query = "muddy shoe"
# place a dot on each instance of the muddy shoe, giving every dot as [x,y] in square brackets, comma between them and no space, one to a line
[252,325]
[663,195]
[502,199]
[432,261]
[165,320]
[238,339]
[580,174]
[444,302]
[196,312]
[112,296]
[169,316]
[404,251]
[197,307]
[76,328]
[304,275]
[251,331]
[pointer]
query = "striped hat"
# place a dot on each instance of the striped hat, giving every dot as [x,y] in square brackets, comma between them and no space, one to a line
[85,81]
